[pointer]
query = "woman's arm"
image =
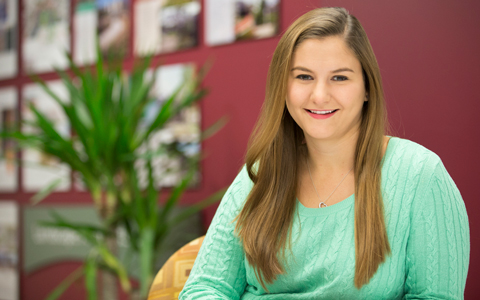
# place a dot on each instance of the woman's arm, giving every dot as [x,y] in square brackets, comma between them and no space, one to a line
[219,270]
[438,247]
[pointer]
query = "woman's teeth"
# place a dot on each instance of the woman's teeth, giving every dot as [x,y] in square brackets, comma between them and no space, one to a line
[322,112]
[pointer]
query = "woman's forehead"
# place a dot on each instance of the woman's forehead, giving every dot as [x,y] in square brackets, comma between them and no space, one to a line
[326,53]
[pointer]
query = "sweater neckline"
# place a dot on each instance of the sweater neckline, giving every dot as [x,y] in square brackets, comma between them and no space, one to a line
[349,201]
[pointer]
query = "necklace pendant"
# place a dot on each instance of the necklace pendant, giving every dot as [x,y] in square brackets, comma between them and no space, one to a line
[322,205]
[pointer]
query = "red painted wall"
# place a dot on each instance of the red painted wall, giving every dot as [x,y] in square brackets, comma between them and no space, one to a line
[428,53]
[429,56]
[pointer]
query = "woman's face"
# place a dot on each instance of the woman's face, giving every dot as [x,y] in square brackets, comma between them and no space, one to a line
[326,90]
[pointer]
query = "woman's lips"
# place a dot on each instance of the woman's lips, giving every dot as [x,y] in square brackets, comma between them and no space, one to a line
[321,114]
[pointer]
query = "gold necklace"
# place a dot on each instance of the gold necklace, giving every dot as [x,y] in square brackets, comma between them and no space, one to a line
[324,203]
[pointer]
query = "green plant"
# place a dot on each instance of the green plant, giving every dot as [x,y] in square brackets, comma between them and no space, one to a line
[106,114]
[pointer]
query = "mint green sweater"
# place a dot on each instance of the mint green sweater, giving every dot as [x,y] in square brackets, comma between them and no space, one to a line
[427,229]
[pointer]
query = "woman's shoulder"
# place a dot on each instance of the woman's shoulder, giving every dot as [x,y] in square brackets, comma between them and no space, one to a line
[414,170]
[407,149]
[240,187]
[406,156]
[405,145]
[243,180]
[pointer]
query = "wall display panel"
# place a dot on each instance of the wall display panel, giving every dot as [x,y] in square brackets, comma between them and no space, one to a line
[40,169]
[46,34]
[165,26]
[8,38]
[179,138]
[45,246]
[227,21]
[85,23]
[9,251]
[8,120]
[113,25]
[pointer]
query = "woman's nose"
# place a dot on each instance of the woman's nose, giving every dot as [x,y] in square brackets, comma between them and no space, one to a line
[320,92]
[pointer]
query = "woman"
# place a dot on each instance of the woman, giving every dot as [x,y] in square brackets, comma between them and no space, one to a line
[327,206]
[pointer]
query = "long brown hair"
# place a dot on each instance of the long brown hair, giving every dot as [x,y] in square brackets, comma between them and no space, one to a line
[265,222]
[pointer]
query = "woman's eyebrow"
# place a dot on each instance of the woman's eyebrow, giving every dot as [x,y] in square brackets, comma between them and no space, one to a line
[301,69]
[343,70]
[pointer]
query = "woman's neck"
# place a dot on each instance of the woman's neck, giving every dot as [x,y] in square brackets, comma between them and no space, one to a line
[332,155]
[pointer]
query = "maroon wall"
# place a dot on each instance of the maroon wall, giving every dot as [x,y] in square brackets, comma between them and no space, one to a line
[429,56]
[428,53]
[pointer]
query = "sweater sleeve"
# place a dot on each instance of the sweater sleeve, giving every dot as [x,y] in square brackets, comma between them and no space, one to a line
[438,244]
[219,270]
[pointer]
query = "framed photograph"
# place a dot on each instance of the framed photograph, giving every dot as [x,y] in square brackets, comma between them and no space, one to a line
[113,26]
[46,35]
[8,154]
[107,19]
[85,23]
[40,169]
[227,21]
[9,250]
[179,140]
[165,26]
[8,38]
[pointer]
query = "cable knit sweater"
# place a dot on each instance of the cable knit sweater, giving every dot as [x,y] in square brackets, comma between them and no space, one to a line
[427,229]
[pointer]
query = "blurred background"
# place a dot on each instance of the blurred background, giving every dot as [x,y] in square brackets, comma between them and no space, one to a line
[428,52]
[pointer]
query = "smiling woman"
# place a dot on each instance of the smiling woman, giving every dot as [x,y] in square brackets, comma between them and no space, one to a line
[297,223]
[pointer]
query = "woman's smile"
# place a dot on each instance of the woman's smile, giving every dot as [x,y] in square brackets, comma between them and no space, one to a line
[321,114]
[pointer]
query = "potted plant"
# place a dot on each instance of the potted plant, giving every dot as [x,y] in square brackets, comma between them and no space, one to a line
[106,111]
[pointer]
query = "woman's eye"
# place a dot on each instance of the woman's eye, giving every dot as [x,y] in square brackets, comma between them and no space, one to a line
[304,77]
[339,78]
